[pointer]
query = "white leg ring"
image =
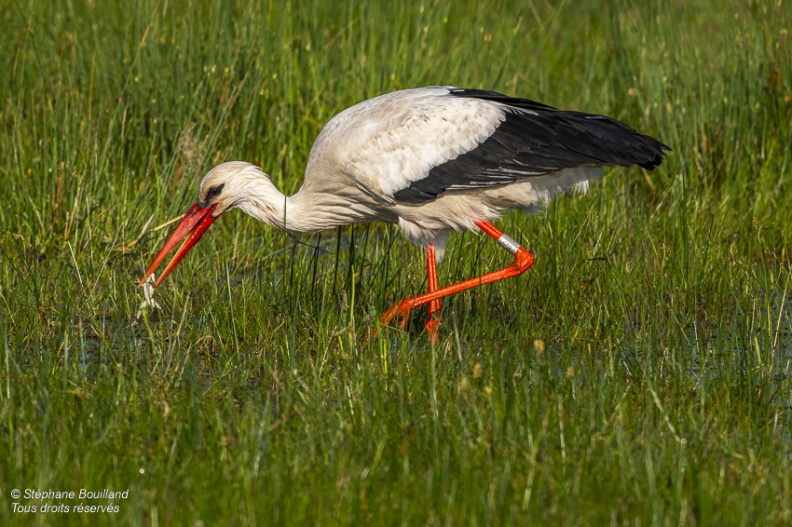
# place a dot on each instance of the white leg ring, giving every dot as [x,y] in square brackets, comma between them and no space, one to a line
[509,244]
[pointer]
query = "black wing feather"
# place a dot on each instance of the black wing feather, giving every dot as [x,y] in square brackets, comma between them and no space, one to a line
[535,139]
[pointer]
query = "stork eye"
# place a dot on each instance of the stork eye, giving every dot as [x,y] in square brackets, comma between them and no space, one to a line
[214,191]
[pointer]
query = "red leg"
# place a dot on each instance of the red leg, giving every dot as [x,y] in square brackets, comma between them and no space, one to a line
[433,318]
[522,261]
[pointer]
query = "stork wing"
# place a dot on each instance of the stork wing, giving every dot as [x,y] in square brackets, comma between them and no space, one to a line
[534,140]
[413,145]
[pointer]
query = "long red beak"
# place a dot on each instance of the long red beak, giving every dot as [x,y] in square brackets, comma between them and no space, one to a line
[194,224]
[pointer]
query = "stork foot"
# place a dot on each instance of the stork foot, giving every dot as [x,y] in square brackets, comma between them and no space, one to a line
[433,322]
[401,311]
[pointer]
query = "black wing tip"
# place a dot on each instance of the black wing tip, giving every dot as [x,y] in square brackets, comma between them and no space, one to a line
[628,146]
[658,155]
[654,163]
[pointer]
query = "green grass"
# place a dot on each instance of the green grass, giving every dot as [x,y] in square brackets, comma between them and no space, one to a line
[638,374]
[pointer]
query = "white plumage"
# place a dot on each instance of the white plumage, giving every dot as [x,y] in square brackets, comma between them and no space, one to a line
[430,160]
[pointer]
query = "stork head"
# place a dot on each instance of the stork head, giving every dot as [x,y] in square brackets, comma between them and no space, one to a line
[224,187]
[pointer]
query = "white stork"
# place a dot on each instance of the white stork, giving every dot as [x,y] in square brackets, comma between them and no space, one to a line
[430,160]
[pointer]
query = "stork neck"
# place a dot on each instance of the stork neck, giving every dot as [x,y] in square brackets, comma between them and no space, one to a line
[302,212]
[263,201]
